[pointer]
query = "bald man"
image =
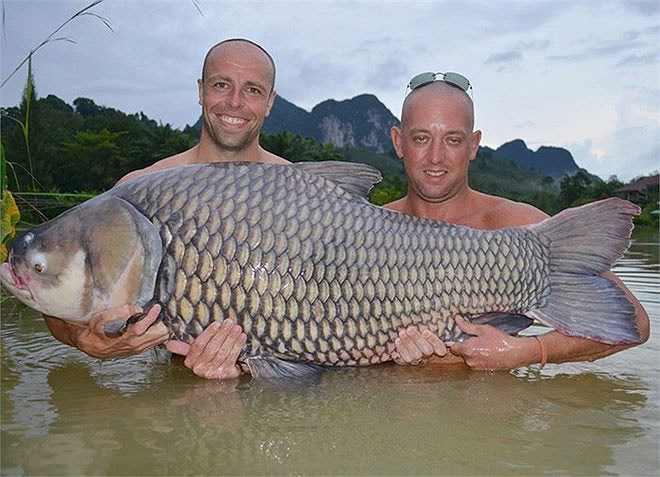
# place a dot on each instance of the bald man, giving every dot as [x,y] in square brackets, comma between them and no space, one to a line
[437,142]
[236,93]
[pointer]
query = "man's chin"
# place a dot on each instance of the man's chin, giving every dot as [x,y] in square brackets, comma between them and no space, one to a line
[434,197]
[228,140]
[231,142]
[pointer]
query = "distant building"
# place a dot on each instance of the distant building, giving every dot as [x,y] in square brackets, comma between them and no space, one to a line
[639,190]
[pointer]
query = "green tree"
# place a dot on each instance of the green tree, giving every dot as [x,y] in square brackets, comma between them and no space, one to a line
[392,187]
[86,108]
[603,189]
[297,148]
[91,160]
[574,189]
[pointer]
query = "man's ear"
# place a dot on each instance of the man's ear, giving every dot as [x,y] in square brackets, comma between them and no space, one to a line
[395,135]
[200,91]
[476,140]
[271,101]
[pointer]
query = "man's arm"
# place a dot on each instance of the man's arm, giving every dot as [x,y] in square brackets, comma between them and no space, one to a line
[214,353]
[482,351]
[494,349]
[491,348]
[93,341]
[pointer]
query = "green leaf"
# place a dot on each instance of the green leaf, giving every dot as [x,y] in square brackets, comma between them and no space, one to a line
[8,221]
[10,212]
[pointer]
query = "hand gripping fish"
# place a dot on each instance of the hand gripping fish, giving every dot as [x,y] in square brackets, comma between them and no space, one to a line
[313,273]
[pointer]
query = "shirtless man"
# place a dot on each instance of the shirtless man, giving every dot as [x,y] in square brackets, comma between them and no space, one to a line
[236,93]
[437,141]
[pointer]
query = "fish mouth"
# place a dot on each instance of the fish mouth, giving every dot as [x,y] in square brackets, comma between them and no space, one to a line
[17,286]
[10,275]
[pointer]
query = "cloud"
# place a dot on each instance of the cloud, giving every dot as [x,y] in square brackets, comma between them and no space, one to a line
[551,73]
[632,146]
[638,60]
[590,155]
[505,58]
[643,7]
[603,49]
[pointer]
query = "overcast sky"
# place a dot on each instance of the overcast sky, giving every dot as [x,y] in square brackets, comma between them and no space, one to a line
[583,75]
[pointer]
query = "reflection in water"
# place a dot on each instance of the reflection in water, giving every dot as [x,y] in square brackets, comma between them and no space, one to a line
[379,420]
[63,413]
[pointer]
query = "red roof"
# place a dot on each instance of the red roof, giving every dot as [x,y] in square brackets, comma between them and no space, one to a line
[640,184]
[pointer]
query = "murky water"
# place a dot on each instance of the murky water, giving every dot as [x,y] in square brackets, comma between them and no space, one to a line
[65,414]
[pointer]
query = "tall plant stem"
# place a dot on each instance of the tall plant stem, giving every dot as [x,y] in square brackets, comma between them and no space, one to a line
[51,37]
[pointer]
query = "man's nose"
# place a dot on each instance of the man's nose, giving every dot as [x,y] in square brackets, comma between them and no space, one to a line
[235,98]
[436,152]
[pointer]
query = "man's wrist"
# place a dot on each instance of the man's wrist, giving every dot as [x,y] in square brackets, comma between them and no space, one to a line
[542,350]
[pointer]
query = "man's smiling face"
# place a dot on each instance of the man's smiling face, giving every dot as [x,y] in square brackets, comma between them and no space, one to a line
[236,94]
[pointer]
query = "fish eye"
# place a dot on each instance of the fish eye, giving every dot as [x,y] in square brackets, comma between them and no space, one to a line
[38,262]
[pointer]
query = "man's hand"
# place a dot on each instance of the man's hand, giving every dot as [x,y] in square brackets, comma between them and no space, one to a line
[412,346]
[92,340]
[214,352]
[493,349]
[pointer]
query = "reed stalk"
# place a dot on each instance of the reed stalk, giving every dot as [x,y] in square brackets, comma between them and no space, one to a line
[10,212]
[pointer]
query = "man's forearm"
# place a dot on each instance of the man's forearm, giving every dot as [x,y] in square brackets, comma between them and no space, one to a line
[64,332]
[564,349]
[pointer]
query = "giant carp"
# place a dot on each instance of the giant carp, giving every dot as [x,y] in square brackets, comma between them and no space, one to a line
[312,271]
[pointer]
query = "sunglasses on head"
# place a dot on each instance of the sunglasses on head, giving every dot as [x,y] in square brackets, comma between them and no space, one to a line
[453,79]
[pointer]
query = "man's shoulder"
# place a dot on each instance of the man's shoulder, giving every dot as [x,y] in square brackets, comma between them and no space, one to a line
[180,159]
[398,205]
[499,212]
[270,158]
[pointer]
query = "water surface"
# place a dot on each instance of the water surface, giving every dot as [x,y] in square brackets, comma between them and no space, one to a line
[66,414]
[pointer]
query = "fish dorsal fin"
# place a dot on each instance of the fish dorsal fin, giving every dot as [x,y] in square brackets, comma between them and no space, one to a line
[124,250]
[355,178]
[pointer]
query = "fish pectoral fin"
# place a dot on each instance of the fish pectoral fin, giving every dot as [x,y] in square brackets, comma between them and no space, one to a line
[114,328]
[511,323]
[268,367]
[160,354]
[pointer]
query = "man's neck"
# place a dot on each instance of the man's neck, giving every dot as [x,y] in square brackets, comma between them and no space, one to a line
[207,151]
[452,210]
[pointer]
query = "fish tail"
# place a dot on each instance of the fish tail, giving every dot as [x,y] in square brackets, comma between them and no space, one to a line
[584,243]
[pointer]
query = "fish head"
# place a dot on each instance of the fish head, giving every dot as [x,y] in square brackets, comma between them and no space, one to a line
[46,274]
[96,256]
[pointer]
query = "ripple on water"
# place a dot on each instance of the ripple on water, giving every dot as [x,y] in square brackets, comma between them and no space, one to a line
[65,413]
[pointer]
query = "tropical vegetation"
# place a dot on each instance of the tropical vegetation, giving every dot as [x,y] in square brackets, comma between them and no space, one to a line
[71,152]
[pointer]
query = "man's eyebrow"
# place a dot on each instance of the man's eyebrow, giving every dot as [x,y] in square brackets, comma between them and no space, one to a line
[460,132]
[257,84]
[227,79]
[418,129]
[428,131]
[216,77]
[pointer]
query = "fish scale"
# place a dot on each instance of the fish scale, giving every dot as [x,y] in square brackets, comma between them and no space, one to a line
[312,272]
[308,279]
